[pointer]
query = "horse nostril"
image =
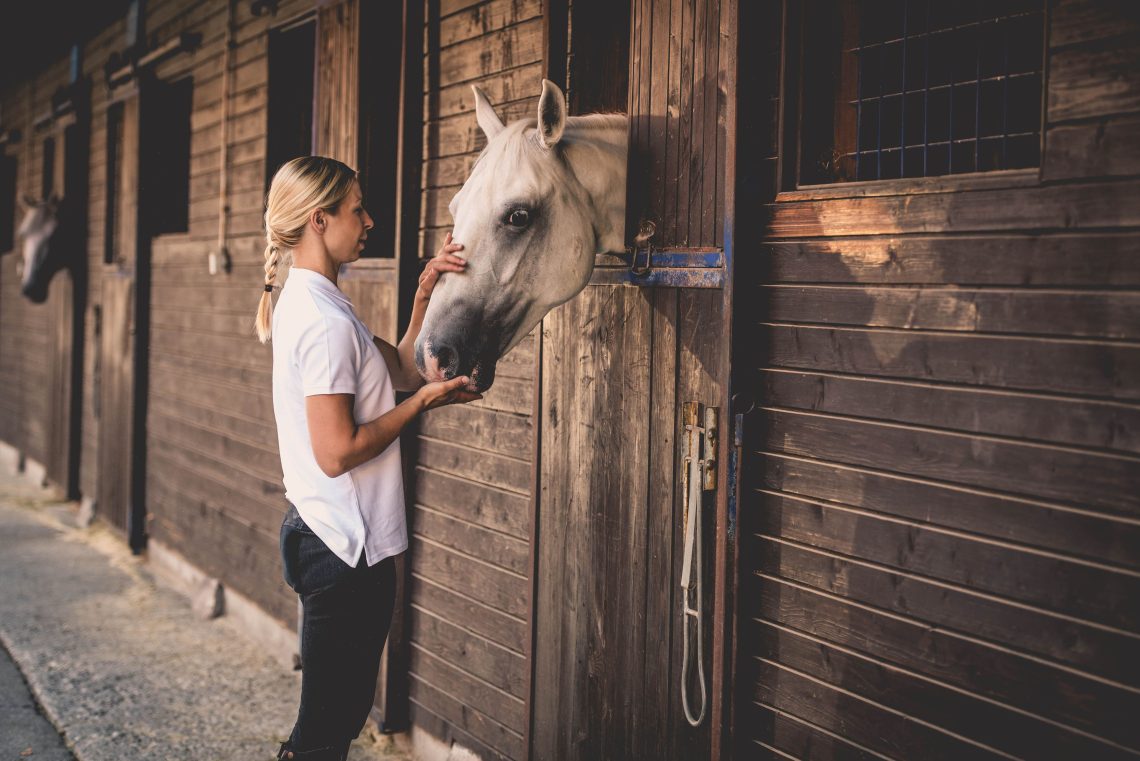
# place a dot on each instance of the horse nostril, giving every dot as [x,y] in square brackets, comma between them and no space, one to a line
[447,360]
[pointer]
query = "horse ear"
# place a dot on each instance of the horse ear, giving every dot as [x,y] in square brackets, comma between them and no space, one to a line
[551,113]
[485,114]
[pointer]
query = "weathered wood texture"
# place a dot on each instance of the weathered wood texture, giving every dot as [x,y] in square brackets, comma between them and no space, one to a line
[939,542]
[472,478]
[618,363]
[338,41]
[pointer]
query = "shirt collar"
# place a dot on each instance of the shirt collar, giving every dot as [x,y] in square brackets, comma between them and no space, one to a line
[316,281]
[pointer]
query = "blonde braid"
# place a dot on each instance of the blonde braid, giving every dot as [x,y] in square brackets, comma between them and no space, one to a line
[265,306]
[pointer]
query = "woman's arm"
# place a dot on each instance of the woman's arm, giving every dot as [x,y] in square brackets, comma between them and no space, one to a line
[340,443]
[401,360]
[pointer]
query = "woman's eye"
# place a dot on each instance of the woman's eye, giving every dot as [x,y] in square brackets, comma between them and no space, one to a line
[518,218]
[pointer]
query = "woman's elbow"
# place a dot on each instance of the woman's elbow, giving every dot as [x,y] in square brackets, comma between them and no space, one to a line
[333,466]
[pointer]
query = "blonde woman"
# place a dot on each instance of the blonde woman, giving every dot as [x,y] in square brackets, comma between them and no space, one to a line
[338,428]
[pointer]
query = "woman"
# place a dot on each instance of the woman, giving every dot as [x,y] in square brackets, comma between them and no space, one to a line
[338,427]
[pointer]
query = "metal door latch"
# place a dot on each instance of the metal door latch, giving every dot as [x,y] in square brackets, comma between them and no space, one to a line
[642,249]
[698,477]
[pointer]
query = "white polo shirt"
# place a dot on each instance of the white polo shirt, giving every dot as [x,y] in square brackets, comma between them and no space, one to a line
[320,347]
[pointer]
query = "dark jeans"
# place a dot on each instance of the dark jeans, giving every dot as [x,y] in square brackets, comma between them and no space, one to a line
[347,612]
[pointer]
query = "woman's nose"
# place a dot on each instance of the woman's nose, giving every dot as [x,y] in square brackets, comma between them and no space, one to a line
[367,221]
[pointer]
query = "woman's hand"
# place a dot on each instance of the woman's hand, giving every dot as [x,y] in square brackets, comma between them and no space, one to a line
[446,392]
[445,260]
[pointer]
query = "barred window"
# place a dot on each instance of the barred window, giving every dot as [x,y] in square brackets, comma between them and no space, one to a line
[919,88]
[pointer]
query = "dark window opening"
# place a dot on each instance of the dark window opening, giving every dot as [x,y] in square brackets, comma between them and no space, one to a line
[381,34]
[7,202]
[47,174]
[164,157]
[917,88]
[114,168]
[291,61]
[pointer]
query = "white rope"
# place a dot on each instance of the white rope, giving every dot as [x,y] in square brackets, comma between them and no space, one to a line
[692,519]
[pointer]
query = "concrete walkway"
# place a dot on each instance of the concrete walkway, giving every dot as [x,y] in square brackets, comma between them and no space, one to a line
[121,666]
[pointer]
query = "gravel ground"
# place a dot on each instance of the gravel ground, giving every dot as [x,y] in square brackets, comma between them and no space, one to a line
[122,667]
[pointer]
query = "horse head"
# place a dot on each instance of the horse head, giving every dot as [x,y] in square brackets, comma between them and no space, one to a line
[43,253]
[543,198]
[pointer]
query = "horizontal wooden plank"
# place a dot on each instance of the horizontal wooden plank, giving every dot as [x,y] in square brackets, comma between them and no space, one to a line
[505,49]
[448,7]
[1001,516]
[499,667]
[1060,420]
[1059,694]
[471,577]
[450,171]
[497,549]
[1040,312]
[487,622]
[460,134]
[1097,650]
[483,467]
[228,474]
[472,501]
[1075,21]
[467,719]
[486,17]
[844,713]
[1108,148]
[199,489]
[1093,481]
[912,696]
[1086,81]
[225,423]
[788,737]
[1051,207]
[235,350]
[500,87]
[495,703]
[1002,362]
[255,378]
[204,391]
[1081,590]
[500,432]
[509,395]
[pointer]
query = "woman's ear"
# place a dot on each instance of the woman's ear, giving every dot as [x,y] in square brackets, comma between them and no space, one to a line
[318,219]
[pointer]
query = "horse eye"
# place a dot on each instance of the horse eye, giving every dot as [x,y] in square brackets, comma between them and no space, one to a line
[519,218]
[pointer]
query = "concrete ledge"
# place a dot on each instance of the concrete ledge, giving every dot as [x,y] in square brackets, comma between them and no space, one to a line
[177,573]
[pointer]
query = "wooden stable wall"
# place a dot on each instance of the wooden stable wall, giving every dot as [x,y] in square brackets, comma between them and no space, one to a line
[472,486]
[27,334]
[940,555]
[214,489]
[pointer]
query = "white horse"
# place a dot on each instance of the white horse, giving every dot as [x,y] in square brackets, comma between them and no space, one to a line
[43,256]
[543,198]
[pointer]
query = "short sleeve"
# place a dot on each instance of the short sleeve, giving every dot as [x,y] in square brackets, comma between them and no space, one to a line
[328,357]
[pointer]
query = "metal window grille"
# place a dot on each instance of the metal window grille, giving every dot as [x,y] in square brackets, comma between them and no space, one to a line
[922,88]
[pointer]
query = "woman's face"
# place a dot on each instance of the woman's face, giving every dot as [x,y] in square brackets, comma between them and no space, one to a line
[344,236]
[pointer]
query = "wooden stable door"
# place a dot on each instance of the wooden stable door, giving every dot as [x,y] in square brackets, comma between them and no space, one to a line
[67,297]
[620,362]
[118,400]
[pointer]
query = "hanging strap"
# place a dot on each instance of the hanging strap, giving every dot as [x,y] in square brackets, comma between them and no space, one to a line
[692,518]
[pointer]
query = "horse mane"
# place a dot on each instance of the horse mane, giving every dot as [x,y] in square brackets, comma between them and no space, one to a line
[511,152]
[608,120]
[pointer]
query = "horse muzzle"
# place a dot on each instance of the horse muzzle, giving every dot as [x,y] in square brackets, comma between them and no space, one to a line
[442,357]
